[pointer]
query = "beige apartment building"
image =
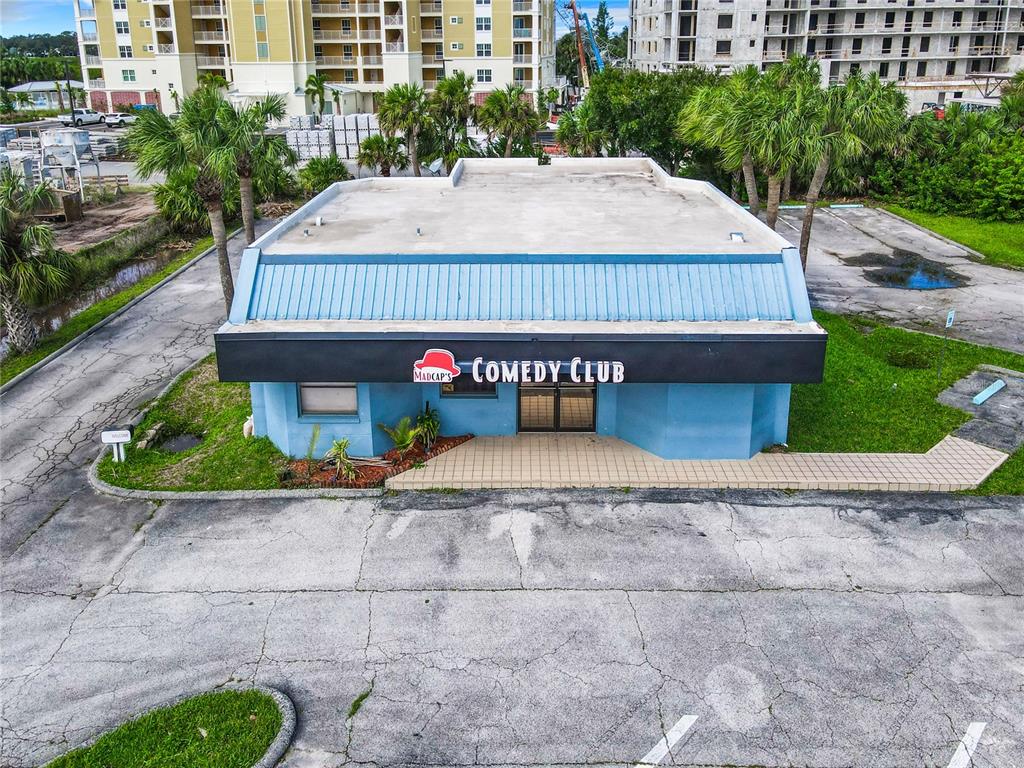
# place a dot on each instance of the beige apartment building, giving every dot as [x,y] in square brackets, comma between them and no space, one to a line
[934,49]
[149,51]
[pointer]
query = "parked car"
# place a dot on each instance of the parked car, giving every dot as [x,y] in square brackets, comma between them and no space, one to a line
[82,117]
[119,118]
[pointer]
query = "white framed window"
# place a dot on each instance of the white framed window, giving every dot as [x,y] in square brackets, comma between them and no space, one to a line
[128,75]
[483,49]
[483,2]
[122,28]
[145,23]
[483,75]
[148,48]
[261,23]
[456,46]
[120,5]
[455,20]
[483,23]
[124,51]
[333,398]
[262,50]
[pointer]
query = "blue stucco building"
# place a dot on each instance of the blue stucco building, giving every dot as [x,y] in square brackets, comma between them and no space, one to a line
[588,295]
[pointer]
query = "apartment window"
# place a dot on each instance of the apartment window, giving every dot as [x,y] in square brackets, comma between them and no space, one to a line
[950,68]
[128,75]
[260,23]
[725,21]
[858,20]
[886,45]
[1020,43]
[483,24]
[455,20]
[922,68]
[902,71]
[926,43]
[751,43]
[483,75]
[858,44]
[146,23]
[456,46]
[120,5]
[954,44]
[262,51]
[317,25]
[122,28]
[883,69]
[812,46]
[854,67]
[928,17]
[124,51]
[723,47]
[753,17]
[483,2]
[337,398]
[812,21]
[483,49]
[958,18]
[346,25]
[890,19]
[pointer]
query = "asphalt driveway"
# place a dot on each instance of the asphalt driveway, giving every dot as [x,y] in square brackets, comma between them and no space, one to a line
[535,628]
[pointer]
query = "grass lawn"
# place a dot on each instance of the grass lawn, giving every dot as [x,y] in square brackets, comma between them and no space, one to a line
[224,460]
[12,365]
[1001,242]
[879,394]
[226,729]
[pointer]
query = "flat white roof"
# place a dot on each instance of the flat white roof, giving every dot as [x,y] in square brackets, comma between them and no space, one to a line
[598,206]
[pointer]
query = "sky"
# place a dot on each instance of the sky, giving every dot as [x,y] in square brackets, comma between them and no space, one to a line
[22,17]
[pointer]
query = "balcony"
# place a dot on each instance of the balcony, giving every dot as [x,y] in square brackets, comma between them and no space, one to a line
[333,9]
[218,62]
[369,34]
[522,32]
[433,34]
[97,84]
[394,20]
[396,47]
[522,58]
[93,60]
[988,50]
[369,8]
[372,61]
[334,34]
[209,9]
[163,22]
[86,11]
[519,6]
[335,61]
[89,37]
[520,83]
[431,8]
[166,48]
[211,36]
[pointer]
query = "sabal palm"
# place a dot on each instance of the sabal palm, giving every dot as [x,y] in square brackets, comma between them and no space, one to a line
[721,116]
[847,121]
[384,152]
[255,153]
[508,114]
[316,87]
[577,133]
[197,139]
[30,268]
[451,108]
[405,108]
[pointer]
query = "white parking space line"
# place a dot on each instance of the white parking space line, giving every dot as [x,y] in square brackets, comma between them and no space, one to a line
[669,740]
[962,756]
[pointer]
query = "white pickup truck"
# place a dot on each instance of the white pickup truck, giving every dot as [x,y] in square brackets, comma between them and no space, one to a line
[82,117]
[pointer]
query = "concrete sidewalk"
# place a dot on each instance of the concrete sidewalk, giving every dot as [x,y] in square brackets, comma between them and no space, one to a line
[593,461]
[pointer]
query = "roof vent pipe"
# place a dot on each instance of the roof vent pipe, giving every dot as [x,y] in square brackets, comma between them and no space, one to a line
[737,237]
[319,221]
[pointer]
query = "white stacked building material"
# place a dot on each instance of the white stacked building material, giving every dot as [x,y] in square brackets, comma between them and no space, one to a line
[338,134]
[6,134]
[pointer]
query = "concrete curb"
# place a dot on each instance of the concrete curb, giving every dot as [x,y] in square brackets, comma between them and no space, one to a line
[273,753]
[109,318]
[970,251]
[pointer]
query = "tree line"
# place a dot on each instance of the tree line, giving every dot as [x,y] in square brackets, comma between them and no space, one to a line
[45,44]
[16,68]
[763,135]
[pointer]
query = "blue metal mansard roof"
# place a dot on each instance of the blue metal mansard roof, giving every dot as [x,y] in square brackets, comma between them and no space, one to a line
[545,287]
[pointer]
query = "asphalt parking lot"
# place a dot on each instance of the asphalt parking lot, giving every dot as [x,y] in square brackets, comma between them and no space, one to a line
[536,628]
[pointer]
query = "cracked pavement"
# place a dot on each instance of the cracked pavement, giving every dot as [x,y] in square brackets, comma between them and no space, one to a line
[989,307]
[500,629]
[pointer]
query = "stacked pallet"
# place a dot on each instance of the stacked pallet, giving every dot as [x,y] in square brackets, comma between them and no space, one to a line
[351,130]
[310,143]
[302,122]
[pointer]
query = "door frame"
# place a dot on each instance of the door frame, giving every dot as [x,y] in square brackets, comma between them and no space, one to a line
[556,387]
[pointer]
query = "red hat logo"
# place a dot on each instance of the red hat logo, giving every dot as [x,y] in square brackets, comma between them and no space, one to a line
[437,365]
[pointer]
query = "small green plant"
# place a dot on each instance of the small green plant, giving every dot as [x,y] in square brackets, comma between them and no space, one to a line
[429,425]
[321,172]
[338,456]
[403,435]
[314,438]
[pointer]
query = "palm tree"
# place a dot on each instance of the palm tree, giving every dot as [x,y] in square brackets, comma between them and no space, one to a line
[60,96]
[196,139]
[720,116]
[509,114]
[1015,85]
[23,99]
[382,151]
[577,133]
[404,108]
[316,87]
[30,268]
[213,81]
[847,121]
[8,102]
[451,108]
[252,151]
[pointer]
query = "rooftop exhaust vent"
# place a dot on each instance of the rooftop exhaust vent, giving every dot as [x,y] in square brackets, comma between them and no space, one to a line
[737,237]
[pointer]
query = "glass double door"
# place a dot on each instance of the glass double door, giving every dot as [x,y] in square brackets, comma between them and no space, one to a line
[556,407]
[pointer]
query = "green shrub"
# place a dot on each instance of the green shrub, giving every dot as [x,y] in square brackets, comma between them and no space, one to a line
[403,434]
[321,172]
[429,425]
[179,203]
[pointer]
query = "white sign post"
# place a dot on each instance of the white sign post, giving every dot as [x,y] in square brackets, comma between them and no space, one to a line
[118,438]
[950,316]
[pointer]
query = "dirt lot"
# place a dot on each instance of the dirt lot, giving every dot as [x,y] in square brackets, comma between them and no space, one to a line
[105,221]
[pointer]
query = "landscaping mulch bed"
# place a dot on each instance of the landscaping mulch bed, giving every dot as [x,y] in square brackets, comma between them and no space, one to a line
[298,474]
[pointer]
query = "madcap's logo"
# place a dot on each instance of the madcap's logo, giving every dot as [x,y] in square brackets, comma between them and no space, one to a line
[437,367]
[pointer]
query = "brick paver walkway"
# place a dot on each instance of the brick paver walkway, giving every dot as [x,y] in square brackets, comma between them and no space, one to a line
[592,461]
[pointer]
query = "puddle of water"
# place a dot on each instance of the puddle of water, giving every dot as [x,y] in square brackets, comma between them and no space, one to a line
[905,269]
[53,317]
[180,443]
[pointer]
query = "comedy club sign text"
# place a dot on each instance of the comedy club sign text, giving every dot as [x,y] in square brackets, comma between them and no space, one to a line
[577,371]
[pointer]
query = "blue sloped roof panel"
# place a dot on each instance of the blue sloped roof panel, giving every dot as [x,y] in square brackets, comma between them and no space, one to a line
[686,290]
